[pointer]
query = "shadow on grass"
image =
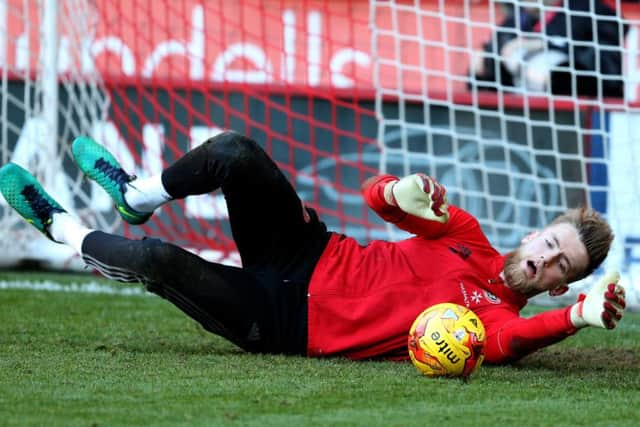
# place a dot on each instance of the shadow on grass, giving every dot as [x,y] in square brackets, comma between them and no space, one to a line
[579,360]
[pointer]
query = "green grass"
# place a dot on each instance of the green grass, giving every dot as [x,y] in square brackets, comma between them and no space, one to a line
[77,359]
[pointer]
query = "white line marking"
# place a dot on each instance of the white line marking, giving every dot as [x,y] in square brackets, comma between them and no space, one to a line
[91,287]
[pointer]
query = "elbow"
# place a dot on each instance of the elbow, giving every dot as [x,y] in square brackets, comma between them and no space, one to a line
[501,351]
[496,358]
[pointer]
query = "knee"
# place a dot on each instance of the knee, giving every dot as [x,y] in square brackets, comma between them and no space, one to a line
[156,253]
[232,146]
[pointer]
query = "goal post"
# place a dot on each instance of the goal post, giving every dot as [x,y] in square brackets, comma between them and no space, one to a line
[48,95]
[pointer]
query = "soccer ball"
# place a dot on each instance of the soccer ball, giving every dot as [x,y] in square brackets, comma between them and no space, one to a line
[447,340]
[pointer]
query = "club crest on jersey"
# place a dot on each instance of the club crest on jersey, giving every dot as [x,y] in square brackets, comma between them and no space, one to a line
[491,297]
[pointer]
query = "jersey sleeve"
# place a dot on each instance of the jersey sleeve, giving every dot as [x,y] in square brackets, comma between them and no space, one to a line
[511,337]
[373,193]
[460,221]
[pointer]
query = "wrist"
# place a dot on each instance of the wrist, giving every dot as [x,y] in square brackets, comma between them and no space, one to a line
[388,194]
[576,315]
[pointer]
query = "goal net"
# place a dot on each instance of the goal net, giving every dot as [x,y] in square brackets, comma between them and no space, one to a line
[519,117]
[153,79]
[335,91]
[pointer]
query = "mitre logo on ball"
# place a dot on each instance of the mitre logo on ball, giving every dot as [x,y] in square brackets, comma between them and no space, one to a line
[447,340]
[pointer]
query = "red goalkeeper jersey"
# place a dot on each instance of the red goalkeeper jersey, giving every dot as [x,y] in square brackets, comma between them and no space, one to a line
[363,299]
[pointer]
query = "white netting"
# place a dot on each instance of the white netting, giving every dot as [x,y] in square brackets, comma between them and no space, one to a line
[514,153]
[50,94]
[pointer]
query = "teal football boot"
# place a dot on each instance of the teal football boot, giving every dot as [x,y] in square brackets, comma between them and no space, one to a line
[24,193]
[99,165]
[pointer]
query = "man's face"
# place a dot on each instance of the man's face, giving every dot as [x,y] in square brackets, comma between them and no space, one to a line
[546,261]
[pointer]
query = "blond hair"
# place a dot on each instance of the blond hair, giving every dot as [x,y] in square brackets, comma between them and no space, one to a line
[594,231]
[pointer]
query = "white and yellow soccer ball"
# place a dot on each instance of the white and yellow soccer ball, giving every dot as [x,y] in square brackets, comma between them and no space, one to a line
[447,340]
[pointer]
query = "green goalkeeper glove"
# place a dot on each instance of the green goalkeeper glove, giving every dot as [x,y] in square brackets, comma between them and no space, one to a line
[420,195]
[603,306]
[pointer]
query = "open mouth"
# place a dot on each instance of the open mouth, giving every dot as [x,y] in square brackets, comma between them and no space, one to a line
[532,269]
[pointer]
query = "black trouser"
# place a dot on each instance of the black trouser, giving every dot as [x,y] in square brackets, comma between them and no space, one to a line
[261,307]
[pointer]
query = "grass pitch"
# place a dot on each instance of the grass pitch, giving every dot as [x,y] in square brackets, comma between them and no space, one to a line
[95,359]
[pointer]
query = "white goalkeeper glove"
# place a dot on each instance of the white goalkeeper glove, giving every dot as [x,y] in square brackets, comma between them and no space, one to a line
[602,306]
[422,196]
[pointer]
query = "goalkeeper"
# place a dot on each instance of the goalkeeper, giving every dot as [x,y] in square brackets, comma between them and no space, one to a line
[304,290]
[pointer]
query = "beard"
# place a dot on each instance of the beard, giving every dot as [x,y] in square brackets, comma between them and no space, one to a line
[516,278]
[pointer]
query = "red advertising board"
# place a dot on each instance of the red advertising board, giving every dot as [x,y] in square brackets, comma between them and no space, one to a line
[280,43]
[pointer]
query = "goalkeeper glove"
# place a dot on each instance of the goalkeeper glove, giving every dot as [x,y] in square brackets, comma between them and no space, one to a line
[422,196]
[602,306]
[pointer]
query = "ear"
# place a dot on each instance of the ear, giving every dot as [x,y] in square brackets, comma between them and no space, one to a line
[558,291]
[530,236]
